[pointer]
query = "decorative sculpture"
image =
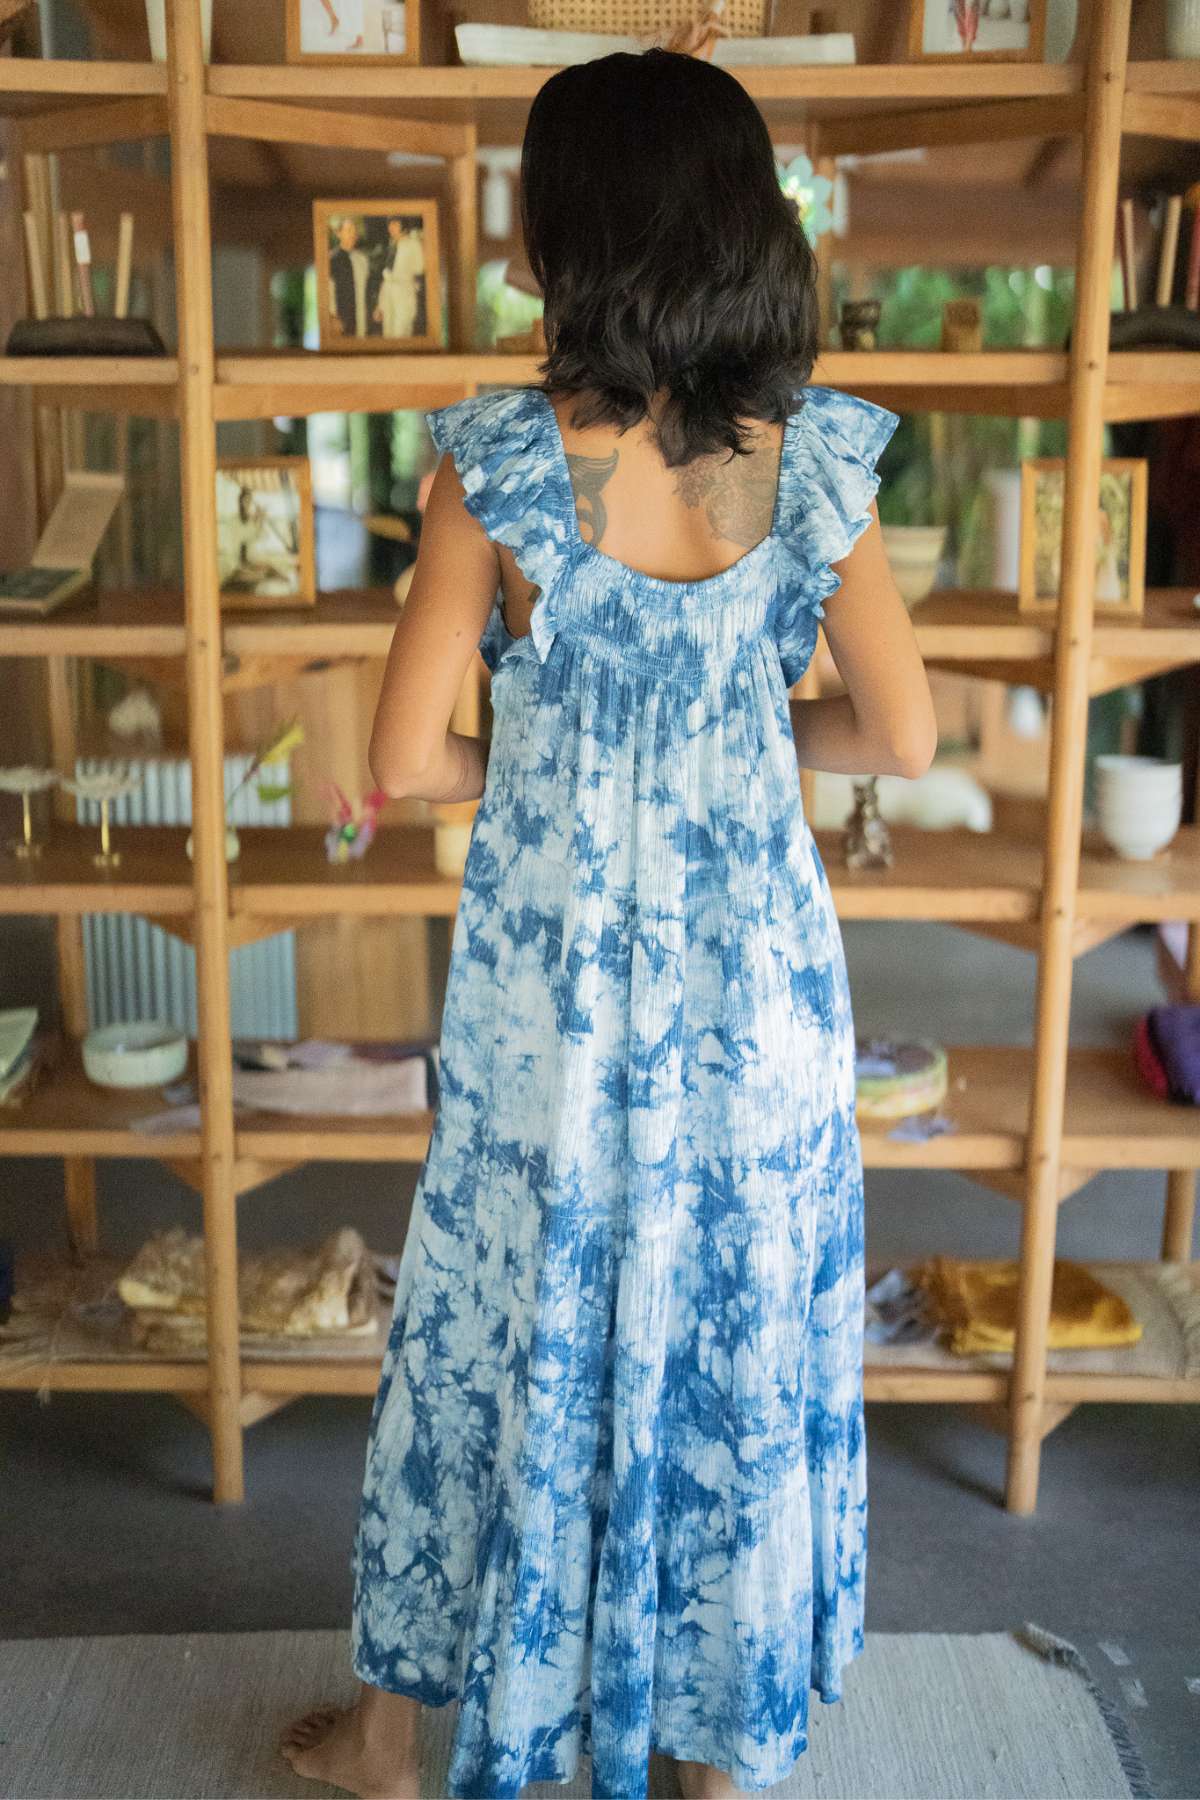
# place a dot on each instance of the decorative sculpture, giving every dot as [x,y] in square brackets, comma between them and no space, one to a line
[867,841]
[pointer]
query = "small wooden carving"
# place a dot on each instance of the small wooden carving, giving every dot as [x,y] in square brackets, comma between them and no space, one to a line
[867,842]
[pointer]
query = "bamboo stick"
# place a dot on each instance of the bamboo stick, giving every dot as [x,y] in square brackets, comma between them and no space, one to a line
[1105,90]
[1170,249]
[1128,256]
[37,270]
[124,265]
[82,246]
[193,253]
[66,283]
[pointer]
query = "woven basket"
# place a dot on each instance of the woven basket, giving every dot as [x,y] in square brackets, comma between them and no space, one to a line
[644,18]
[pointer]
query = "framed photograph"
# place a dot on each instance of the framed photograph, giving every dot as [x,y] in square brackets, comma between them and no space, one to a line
[265,545]
[366,31]
[379,283]
[983,30]
[1120,538]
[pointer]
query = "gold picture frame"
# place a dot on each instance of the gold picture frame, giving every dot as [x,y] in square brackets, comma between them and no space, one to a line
[390,279]
[921,14]
[325,31]
[1119,591]
[266,543]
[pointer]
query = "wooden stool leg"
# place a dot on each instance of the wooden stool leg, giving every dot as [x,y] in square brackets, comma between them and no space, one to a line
[1180,1217]
[83,1227]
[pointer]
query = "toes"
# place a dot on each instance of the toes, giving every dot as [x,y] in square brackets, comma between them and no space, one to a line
[306,1730]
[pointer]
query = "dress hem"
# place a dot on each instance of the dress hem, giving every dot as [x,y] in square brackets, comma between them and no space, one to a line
[425,1692]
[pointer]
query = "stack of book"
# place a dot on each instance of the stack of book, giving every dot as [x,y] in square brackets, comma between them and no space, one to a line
[18,1029]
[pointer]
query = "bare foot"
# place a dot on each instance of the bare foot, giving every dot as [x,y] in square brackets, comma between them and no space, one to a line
[699,1781]
[372,1749]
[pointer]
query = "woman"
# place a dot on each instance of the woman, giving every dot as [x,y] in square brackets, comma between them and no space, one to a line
[403,262]
[615,1492]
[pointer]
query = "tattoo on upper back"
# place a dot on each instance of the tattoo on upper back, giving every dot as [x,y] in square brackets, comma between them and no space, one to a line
[588,476]
[738,495]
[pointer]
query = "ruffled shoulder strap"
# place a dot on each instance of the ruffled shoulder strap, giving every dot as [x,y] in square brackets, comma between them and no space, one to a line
[827,481]
[508,456]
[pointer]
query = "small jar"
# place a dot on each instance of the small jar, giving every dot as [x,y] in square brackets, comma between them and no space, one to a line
[453,822]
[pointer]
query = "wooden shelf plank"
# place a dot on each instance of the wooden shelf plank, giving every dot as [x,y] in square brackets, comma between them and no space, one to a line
[980,630]
[1152,384]
[68,1115]
[285,874]
[154,876]
[958,877]
[84,372]
[955,876]
[278,1137]
[39,85]
[1166,887]
[454,89]
[350,622]
[107,1377]
[143,622]
[265,384]
[983,633]
[1164,77]
[1114,1122]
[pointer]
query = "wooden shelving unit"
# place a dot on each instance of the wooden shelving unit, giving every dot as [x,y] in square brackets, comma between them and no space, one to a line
[1031,1124]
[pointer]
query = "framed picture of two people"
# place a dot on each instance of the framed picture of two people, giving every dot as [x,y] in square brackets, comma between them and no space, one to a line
[378,274]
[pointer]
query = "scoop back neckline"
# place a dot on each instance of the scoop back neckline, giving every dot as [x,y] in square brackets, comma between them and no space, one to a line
[580,547]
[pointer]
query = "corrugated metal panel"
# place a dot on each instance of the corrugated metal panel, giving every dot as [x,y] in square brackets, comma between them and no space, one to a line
[136,970]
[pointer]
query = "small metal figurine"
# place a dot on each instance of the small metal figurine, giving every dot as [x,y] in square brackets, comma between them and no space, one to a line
[867,842]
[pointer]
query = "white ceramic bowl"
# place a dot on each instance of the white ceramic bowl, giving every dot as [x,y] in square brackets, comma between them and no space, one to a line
[914,552]
[1138,834]
[134,1054]
[1138,775]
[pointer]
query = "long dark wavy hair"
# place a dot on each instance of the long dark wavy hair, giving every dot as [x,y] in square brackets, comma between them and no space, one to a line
[667,255]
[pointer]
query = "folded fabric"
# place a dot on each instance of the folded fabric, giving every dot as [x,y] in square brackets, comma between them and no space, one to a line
[1149,1062]
[976,1303]
[1174,1032]
[300,1291]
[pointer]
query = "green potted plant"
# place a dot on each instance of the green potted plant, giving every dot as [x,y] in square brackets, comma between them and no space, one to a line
[912,516]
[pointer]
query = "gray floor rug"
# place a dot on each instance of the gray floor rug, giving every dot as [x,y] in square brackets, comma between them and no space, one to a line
[930,1716]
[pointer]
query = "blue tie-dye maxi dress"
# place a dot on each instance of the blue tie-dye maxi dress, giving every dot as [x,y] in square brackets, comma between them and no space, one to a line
[615,1492]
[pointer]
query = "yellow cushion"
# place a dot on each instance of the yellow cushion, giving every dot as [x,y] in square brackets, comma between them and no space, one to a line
[976,1302]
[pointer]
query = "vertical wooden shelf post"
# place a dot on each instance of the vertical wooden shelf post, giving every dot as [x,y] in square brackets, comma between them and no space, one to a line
[206,737]
[1108,52]
[463,176]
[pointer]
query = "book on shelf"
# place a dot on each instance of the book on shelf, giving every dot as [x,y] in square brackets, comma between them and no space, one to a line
[61,566]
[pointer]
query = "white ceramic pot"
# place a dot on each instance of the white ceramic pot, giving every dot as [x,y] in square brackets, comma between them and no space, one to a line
[156,19]
[450,845]
[1183,29]
[136,1054]
[1139,804]
[914,551]
[233,845]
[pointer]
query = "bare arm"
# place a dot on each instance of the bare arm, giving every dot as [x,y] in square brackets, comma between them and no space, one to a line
[413,753]
[884,723]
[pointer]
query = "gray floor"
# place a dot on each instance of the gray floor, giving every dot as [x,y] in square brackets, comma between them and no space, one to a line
[107,1527]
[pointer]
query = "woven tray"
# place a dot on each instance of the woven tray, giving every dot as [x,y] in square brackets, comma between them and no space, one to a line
[644,18]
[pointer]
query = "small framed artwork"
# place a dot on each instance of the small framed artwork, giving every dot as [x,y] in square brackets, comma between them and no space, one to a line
[364,31]
[265,540]
[1120,539]
[379,279]
[993,30]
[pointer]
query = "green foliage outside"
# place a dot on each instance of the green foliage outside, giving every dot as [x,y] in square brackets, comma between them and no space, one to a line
[933,468]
